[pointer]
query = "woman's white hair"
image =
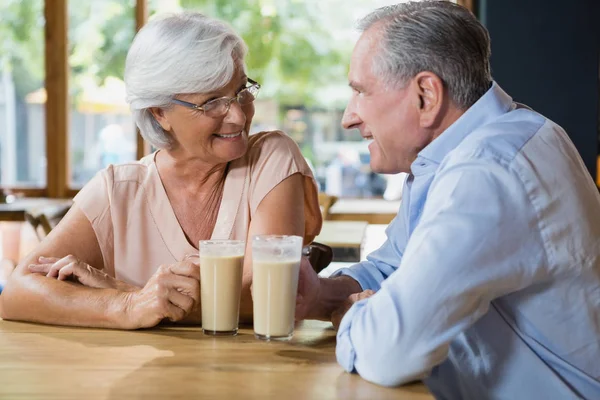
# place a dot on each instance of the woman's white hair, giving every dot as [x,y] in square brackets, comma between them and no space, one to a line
[174,54]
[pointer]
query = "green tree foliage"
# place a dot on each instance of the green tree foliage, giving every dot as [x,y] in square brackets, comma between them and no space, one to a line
[22,43]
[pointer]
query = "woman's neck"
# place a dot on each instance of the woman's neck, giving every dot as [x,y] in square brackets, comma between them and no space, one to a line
[189,173]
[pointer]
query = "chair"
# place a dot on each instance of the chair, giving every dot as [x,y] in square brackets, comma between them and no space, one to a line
[44,220]
[325,202]
[319,255]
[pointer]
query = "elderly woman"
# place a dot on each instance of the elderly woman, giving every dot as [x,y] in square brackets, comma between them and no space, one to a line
[121,254]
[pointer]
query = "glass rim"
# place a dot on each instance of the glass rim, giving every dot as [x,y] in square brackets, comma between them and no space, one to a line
[278,238]
[222,242]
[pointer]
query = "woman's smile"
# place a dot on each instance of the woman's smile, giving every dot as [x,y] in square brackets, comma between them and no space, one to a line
[229,136]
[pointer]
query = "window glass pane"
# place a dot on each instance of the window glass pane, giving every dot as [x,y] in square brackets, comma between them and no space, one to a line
[300,51]
[22,94]
[101,128]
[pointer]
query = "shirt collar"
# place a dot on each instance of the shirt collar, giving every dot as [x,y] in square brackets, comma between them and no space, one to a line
[491,105]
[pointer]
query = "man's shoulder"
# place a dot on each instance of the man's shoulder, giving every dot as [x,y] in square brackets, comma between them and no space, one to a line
[504,138]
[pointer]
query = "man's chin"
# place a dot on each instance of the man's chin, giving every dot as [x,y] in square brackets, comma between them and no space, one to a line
[383,169]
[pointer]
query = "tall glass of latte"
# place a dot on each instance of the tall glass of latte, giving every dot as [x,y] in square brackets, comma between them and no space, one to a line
[275,270]
[221,266]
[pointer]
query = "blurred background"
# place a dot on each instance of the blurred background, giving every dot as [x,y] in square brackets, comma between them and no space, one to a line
[298,50]
[545,54]
[63,114]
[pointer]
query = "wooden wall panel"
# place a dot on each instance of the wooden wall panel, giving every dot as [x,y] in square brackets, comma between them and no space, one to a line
[467,3]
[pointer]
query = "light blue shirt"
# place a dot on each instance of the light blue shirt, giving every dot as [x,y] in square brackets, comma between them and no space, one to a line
[488,286]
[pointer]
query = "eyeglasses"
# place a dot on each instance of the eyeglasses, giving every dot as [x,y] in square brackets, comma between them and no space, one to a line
[219,107]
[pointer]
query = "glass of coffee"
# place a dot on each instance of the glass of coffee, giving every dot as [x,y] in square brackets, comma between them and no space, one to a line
[221,266]
[275,271]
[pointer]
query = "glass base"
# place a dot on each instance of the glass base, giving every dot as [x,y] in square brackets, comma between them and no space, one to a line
[220,333]
[273,337]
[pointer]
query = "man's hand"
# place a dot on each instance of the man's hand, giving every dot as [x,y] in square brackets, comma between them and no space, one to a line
[338,315]
[309,288]
[70,268]
[173,292]
[318,297]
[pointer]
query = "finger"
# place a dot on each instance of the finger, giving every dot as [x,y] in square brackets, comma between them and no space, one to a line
[306,267]
[186,268]
[354,297]
[195,258]
[174,313]
[39,268]
[46,260]
[300,312]
[183,284]
[182,301]
[365,295]
[53,272]
[66,272]
[336,319]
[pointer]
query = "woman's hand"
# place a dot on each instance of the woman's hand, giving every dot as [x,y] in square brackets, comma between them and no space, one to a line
[173,292]
[70,268]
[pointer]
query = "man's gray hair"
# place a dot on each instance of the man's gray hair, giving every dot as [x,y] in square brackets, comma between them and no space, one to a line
[175,54]
[435,36]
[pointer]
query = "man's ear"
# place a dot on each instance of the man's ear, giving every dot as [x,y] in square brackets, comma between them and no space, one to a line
[431,93]
[160,117]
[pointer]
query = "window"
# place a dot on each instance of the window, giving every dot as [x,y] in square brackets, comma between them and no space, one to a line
[22,94]
[52,142]
[101,129]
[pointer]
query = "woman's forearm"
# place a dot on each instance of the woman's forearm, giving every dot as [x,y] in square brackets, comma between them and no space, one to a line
[36,298]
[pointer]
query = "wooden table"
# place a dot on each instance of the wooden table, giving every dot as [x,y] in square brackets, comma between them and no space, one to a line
[16,210]
[373,211]
[45,362]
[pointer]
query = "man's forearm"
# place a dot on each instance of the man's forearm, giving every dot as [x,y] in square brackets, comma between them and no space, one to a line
[333,292]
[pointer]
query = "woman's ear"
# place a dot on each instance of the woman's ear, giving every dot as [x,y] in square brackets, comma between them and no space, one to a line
[160,117]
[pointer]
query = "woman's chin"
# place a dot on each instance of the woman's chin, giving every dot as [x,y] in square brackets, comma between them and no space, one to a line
[229,149]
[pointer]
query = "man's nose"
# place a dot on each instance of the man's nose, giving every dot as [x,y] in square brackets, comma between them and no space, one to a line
[350,119]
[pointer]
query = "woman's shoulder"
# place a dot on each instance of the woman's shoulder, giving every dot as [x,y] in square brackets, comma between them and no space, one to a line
[273,156]
[133,171]
[114,187]
[268,142]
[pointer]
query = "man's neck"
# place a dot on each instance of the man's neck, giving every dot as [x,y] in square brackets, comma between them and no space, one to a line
[450,115]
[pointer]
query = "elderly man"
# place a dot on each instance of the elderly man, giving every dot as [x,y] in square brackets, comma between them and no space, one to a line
[489,283]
